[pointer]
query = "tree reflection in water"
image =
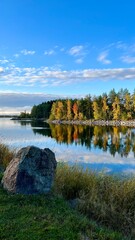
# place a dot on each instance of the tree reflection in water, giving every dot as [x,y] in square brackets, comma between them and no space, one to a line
[120,140]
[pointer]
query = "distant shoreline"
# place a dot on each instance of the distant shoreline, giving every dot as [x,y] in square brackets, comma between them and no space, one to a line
[130,123]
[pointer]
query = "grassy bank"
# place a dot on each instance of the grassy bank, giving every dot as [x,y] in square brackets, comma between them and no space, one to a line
[46,217]
[101,200]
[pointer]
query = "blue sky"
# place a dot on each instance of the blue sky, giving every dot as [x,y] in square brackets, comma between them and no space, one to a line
[64,48]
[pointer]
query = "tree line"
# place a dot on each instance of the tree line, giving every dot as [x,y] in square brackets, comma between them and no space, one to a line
[113,106]
[40,111]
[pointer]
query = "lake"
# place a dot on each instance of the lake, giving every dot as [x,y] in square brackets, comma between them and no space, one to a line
[108,149]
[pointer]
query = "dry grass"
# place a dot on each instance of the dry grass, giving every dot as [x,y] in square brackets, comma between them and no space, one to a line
[6,154]
[107,199]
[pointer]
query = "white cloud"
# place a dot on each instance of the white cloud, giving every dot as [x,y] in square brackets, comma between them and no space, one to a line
[128,59]
[108,74]
[79,60]
[1,69]
[62,49]
[4,61]
[49,52]
[121,45]
[44,76]
[81,156]
[79,52]
[127,49]
[27,52]
[14,110]
[16,55]
[76,50]
[103,58]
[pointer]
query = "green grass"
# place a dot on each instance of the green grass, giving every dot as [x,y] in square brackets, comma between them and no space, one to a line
[104,202]
[40,217]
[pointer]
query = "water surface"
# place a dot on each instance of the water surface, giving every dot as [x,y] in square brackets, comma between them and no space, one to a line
[109,149]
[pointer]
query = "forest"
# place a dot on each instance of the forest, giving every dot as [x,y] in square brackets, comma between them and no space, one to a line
[113,106]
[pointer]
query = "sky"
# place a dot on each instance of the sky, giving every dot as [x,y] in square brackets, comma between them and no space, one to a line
[53,49]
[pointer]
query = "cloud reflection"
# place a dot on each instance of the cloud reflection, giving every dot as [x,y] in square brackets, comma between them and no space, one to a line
[17,134]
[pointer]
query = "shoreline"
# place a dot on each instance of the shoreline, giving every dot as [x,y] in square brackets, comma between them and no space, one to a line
[129,123]
[117,123]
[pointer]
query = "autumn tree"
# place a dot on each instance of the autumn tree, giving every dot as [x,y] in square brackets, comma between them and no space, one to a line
[60,113]
[115,105]
[75,110]
[116,109]
[53,111]
[69,109]
[96,110]
[128,107]
[105,108]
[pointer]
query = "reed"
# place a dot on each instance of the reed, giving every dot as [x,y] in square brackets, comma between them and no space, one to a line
[110,200]
[6,154]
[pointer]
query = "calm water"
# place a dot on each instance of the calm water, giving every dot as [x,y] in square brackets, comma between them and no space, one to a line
[110,149]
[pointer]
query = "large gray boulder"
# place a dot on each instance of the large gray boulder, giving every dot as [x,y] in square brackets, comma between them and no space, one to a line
[31,171]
